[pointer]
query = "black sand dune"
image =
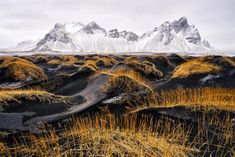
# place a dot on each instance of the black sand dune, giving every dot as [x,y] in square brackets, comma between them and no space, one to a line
[87,95]
[86,92]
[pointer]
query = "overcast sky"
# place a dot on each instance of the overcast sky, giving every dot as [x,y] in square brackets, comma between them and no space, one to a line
[31,19]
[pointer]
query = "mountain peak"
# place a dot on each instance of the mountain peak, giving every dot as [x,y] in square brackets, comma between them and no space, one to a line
[58,26]
[73,27]
[183,21]
[93,27]
[172,36]
[113,33]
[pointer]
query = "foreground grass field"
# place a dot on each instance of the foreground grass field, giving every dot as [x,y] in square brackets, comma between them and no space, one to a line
[105,136]
[152,110]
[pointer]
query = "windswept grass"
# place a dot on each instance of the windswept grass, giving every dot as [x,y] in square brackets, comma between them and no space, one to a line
[90,64]
[96,62]
[36,58]
[194,67]
[105,61]
[17,69]
[106,136]
[145,68]
[227,62]
[125,81]
[30,94]
[206,98]
[63,60]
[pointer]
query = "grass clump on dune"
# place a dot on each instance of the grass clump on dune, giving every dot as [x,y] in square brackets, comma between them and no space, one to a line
[29,94]
[206,97]
[226,62]
[17,69]
[96,62]
[37,58]
[125,81]
[194,67]
[130,86]
[105,136]
[145,68]
[107,60]
[89,64]
[63,60]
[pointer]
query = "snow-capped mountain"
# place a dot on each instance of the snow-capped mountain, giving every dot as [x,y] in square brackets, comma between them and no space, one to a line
[75,37]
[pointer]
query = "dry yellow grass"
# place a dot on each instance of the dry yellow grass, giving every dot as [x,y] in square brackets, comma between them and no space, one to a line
[107,60]
[36,58]
[63,60]
[133,87]
[17,69]
[97,61]
[106,136]
[30,94]
[228,61]
[125,80]
[207,98]
[90,64]
[131,59]
[146,68]
[55,62]
[194,67]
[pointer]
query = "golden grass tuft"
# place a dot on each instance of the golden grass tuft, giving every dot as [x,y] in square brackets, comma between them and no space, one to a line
[97,61]
[36,58]
[17,69]
[90,64]
[131,59]
[145,68]
[125,80]
[206,98]
[105,61]
[194,67]
[39,58]
[63,60]
[55,62]
[106,136]
[30,94]
[227,61]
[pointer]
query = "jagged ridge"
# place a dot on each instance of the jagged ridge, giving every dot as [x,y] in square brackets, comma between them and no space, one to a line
[76,37]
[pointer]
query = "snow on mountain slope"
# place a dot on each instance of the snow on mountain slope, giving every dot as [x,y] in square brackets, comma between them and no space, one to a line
[76,37]
[23,46]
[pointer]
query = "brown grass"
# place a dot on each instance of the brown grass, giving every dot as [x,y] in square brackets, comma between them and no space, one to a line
[17,69]
[194,67]
[105,136]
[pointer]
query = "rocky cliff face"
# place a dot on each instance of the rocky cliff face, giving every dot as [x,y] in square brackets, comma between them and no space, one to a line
[177,35]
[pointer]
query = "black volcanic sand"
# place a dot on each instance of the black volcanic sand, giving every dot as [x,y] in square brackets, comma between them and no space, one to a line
[87,95]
